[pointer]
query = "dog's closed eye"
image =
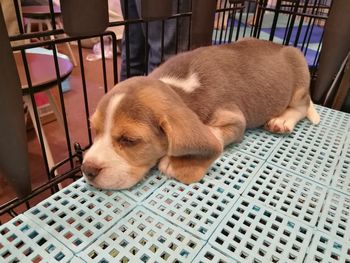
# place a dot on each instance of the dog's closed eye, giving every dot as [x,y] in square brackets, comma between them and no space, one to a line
[127,141]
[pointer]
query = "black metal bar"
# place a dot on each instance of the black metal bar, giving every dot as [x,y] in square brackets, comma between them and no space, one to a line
[146,48]
[296,13]
[307,31]
[78,152]
[86,101]
[67,160]
[275,19]
[127,38]
[114,58]
[61,31]
[5,208]
[221,29]
[223,21]
[18,16]
[135,21]
[259,18]
[239,23]
[221,10]
[104,72]
[52,15]
[324,6]
[12,213]
[254,18]
[189,32]
[40,35]
[54,41]
[246,19]
[300,25]
[317,57]
[63,108]
[36,114]
[309,38]
[162,43]
[230,33]
[216,26]
[177,29]
[287,26]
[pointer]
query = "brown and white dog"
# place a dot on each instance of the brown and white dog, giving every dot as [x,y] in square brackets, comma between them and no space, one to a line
[183,114]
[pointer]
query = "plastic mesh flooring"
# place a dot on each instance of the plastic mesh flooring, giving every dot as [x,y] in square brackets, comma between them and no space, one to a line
[77,215]
[328,249]
[143,237]
[254,233]
[270,198]
[24,241]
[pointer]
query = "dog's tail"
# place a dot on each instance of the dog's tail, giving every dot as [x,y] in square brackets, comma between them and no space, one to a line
[312,114]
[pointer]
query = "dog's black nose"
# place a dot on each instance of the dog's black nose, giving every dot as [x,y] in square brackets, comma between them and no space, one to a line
[90,170]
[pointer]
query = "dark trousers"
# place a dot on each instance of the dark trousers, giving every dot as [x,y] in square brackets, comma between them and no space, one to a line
[176,39]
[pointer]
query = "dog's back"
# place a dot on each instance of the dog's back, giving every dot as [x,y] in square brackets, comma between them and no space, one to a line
[259,77]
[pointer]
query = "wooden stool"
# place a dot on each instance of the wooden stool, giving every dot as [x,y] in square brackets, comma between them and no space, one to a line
[40,14]
[43,77]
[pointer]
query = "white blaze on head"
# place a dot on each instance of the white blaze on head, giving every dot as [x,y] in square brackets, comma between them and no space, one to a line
[114,169]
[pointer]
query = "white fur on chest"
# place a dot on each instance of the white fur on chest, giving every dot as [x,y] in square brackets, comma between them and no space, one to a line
[189,84]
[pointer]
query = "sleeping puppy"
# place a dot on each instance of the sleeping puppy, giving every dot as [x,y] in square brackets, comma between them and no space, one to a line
[183,114]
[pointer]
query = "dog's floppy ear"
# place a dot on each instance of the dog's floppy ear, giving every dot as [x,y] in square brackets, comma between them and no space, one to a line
[187,135]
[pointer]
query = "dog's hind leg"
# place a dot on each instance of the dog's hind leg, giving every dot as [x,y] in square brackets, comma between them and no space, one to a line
[312,114]
[300,107]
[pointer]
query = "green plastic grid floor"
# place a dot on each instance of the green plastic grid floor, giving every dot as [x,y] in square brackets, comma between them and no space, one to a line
[270,198]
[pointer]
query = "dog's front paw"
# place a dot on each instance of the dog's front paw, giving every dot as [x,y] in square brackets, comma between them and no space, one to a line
[187,170]
[279,125]
[165,167]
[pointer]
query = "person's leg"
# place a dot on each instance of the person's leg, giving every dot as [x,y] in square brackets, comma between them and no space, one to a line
[136,45]
[176,34]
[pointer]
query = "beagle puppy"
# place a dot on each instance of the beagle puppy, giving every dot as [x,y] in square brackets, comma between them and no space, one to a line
[186,111]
